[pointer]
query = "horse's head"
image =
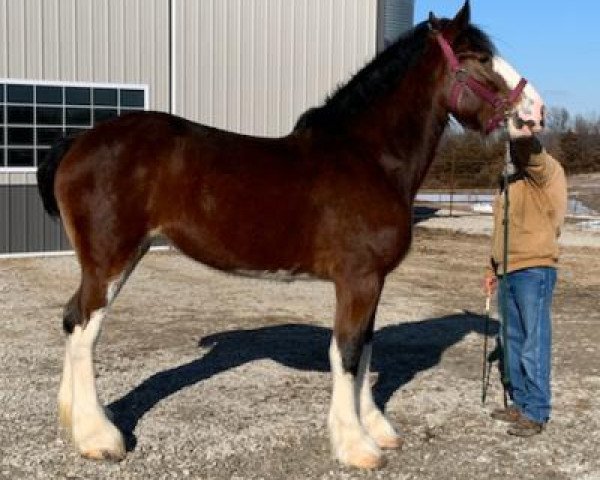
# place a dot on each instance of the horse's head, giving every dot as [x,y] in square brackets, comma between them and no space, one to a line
[481,90]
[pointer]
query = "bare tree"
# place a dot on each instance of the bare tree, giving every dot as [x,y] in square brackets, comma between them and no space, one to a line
[557,119]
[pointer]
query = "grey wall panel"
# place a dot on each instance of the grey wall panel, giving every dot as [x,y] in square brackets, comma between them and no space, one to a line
[4,214]
[16,215]
[52,230]
[24,225]
[34,215]
[398,18]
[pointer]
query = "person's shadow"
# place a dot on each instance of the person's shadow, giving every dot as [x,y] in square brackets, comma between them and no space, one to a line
[399,353]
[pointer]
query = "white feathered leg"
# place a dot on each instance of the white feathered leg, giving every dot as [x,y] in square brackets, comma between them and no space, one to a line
[65,392]
[350,442]
[93,433]
[373,420]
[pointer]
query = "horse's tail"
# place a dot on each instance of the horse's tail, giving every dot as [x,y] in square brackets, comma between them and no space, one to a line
[46,173]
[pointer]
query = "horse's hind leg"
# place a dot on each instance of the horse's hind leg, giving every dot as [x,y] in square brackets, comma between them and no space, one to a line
[356,303]
[65,391]
[80,410]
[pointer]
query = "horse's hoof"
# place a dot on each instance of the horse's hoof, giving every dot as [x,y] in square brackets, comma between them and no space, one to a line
[104,443]
[365,455]
[389,442]
[366,460]
[104,454]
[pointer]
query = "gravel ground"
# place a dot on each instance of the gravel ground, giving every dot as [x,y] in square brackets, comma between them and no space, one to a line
[218,377]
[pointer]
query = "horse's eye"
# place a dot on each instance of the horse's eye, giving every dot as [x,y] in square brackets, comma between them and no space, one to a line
[484,59]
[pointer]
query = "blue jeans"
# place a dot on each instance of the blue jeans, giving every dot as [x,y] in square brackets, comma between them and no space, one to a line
[529,299]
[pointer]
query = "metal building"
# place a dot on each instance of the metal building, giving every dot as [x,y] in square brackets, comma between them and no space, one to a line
[250,66]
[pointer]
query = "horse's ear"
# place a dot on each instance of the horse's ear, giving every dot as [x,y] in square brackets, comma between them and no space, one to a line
[462,18]
[434,22]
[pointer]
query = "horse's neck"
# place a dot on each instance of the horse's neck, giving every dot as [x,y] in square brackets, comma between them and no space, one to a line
[407,167]
[409,140]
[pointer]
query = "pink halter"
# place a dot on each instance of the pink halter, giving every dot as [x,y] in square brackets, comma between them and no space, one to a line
[463,78]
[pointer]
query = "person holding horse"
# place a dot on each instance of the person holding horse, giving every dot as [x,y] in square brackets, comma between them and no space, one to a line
[537,202]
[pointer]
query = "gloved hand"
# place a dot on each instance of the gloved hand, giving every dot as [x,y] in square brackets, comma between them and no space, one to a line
[522,148]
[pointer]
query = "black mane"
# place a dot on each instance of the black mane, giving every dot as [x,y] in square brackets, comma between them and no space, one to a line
[382,75]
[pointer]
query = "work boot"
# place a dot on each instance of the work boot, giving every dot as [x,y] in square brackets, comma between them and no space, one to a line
[526,428]
[509,414]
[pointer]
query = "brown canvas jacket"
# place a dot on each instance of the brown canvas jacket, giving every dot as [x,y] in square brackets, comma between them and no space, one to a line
[537,208]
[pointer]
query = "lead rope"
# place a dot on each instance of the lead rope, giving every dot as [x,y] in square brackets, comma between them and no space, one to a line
[487,364]
[504,280]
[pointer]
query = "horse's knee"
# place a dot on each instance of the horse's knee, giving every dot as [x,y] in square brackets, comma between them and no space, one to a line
[355,316]
[350,352]
[351,343]
[92,296]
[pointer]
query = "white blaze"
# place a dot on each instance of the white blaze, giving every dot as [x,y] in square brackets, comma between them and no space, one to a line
[530,107]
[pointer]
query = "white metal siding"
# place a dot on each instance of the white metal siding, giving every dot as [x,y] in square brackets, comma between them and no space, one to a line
[112,41]
[245,65]
[254,66]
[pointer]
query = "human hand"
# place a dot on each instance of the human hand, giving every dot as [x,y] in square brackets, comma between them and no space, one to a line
[490,284]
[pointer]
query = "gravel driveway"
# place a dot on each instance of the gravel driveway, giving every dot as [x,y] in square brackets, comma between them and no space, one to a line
[219,377]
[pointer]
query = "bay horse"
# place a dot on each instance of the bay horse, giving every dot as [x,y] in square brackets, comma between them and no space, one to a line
[331,200]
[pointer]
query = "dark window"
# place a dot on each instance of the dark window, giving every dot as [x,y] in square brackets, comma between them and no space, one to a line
[105,97]
[20,93]
[132,98]
[77,96]
[49,115]
[52,95]
[79,116]
[20,157]
[103,114]
[47,136]
[41,153]
[75,131]
[20,136]
[20,114]
[34,117]
[125,111]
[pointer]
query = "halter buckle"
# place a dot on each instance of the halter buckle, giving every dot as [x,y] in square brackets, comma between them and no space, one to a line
[461,75]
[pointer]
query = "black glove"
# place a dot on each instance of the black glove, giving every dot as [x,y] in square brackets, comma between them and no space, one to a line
[522,148]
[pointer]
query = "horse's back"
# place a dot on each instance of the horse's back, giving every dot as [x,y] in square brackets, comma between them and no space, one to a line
[223,198]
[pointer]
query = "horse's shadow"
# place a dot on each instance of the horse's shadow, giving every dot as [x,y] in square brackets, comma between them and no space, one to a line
[422,213]
[399,353]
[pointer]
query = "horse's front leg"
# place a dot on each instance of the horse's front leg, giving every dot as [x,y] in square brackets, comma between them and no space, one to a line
[373,420]
[356,303]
